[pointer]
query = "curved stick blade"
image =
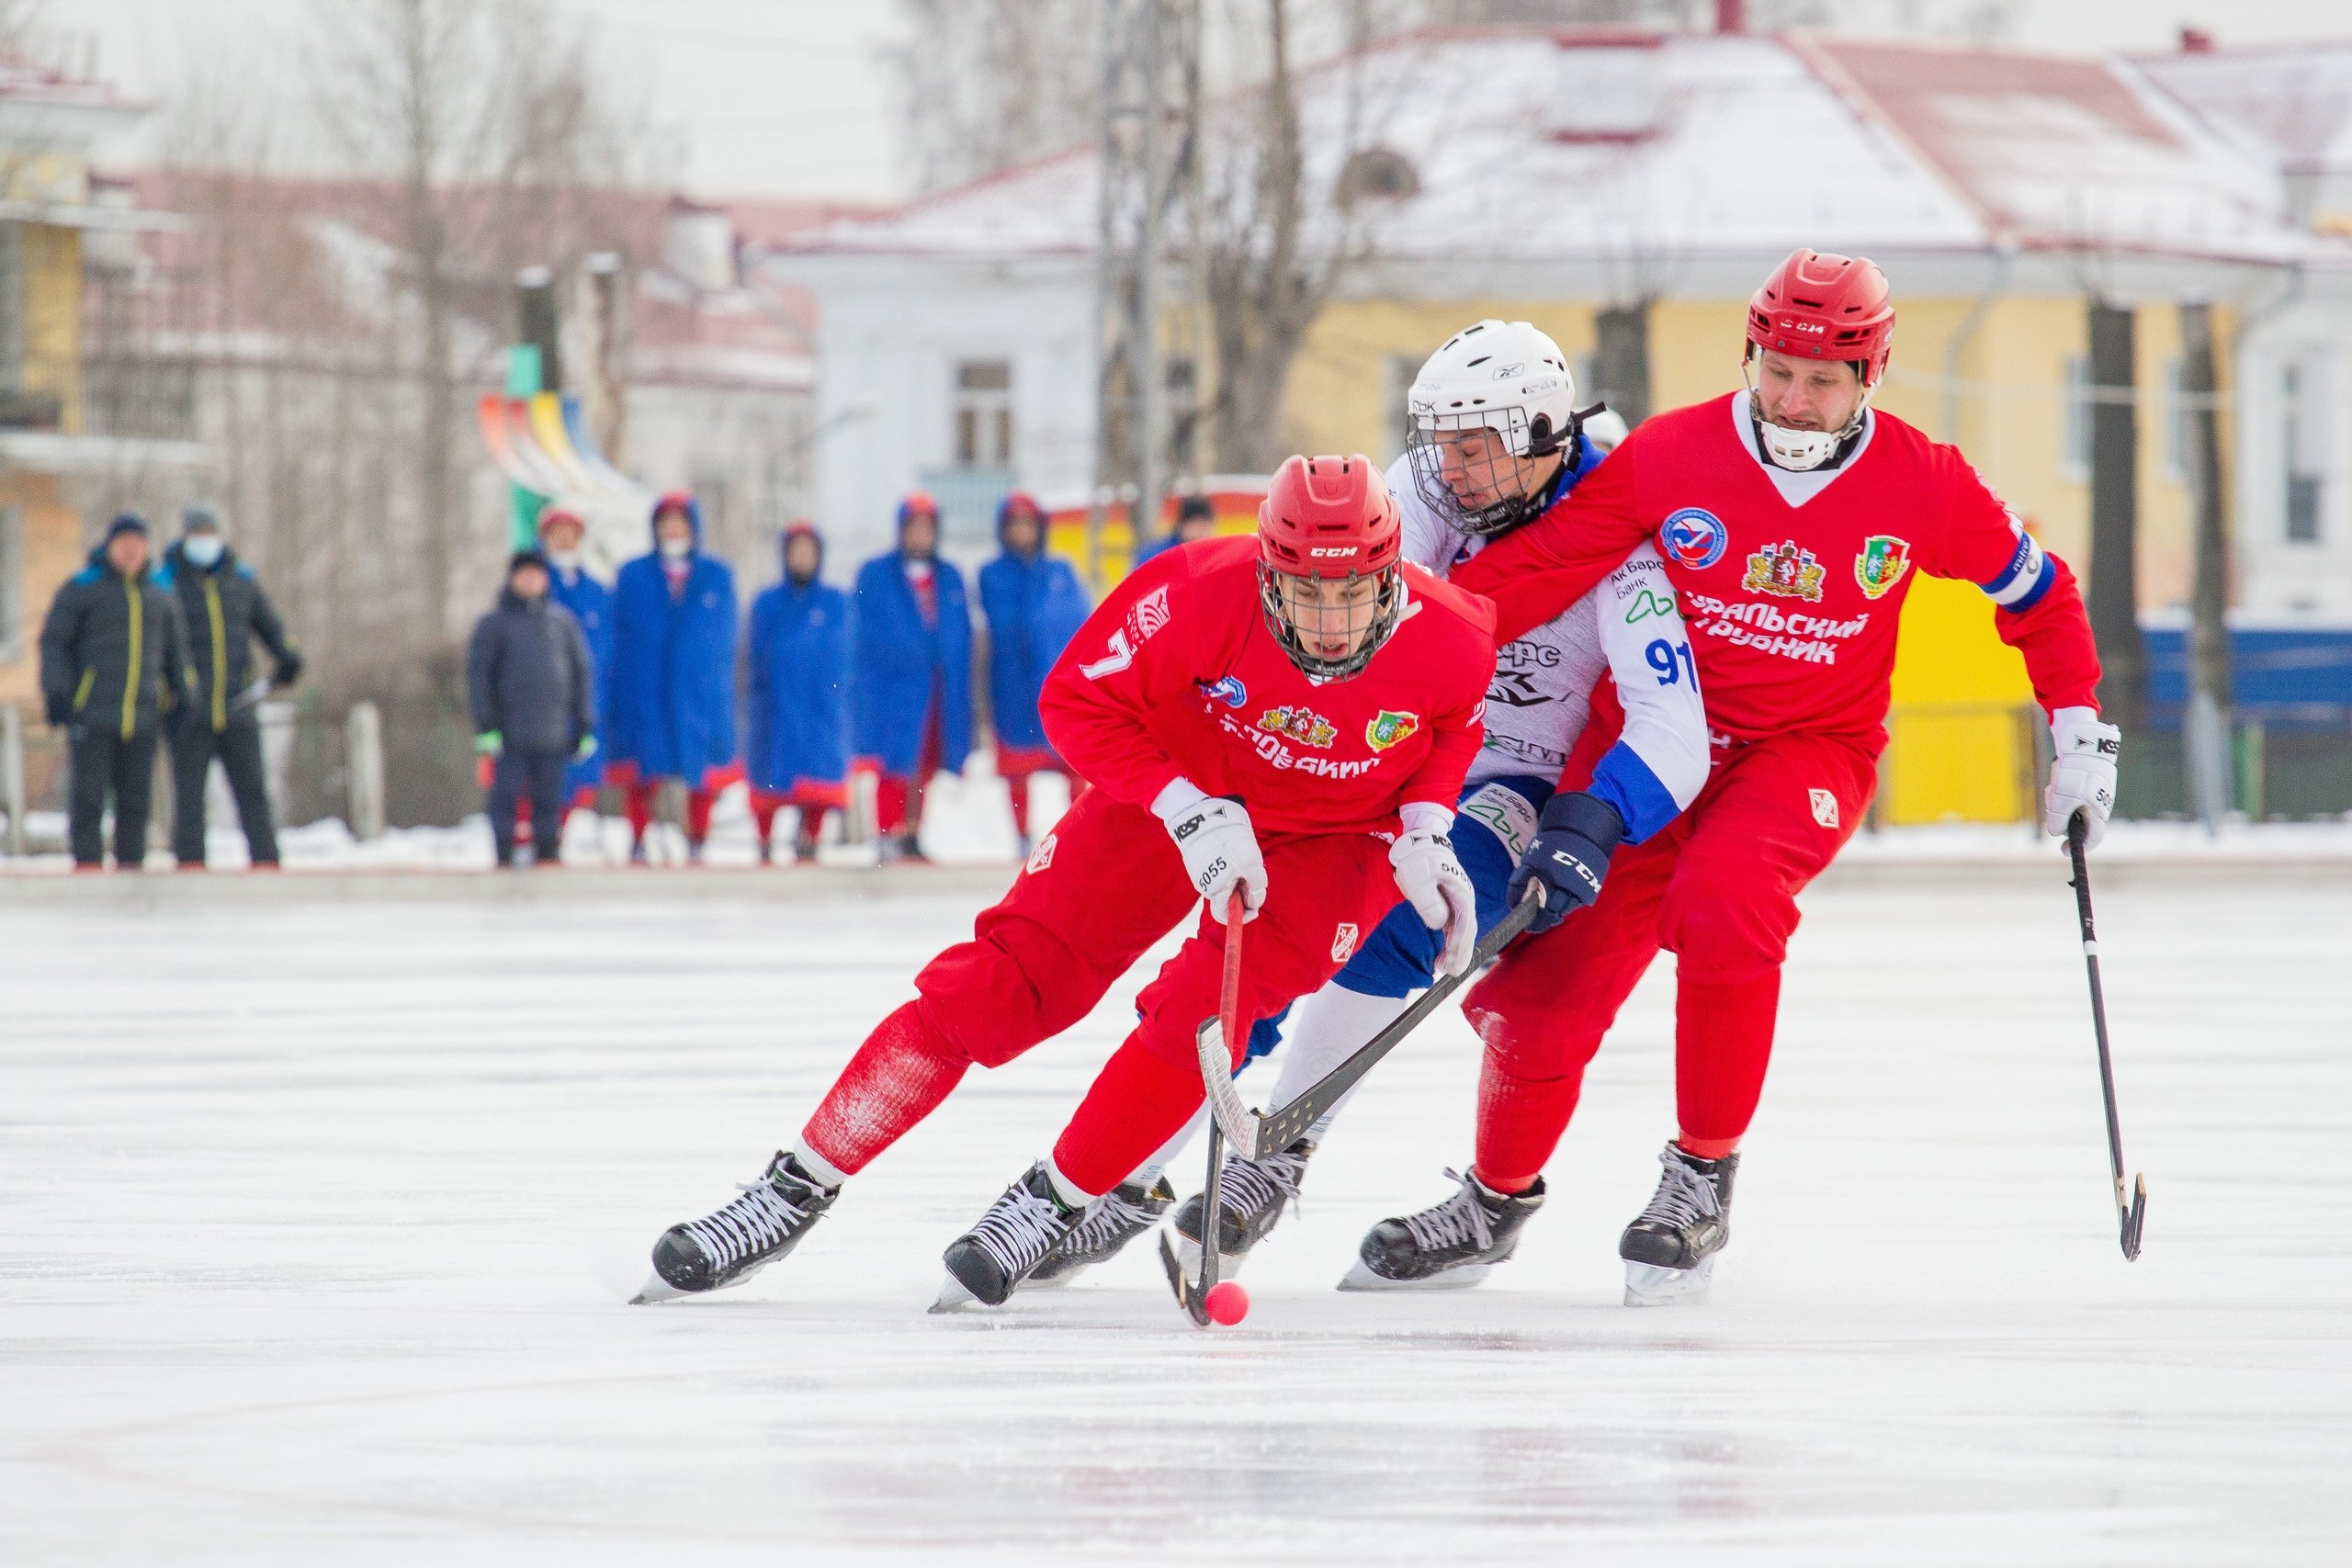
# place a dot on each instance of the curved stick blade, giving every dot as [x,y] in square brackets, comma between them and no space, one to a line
[2135,1216]
[1236,1120]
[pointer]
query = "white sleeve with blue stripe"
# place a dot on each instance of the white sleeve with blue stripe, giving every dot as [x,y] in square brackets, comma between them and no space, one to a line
[2022,582]
[1660,760]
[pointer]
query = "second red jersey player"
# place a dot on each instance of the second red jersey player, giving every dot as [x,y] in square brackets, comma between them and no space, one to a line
[1288,719]
[1792,520]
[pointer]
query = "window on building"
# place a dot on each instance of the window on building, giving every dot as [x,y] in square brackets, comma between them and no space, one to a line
[2301,424]
[2078,416]
[984,413]
[2179,430]
[12,584]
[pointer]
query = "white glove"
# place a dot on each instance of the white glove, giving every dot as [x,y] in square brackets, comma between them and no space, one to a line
[2082,776]
[1219,849]
[1433,882]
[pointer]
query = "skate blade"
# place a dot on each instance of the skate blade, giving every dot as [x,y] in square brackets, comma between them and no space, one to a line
[954,1297]
[657,1289]
[1647,1285]
[1360,1277]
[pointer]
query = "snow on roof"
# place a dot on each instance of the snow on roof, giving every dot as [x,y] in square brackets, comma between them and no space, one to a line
[2295,102]
[2063,153]
[1631,149]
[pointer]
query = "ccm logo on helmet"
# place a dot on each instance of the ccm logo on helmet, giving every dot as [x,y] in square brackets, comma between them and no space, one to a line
[1319,551]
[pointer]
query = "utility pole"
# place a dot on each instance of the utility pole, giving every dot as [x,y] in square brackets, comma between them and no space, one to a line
[1149,48]
[2208,721]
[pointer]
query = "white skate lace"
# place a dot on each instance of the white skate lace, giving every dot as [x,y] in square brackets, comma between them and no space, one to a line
[1252,1186]
[1461,1218]
[1684,1196]
[762,1217]
[1108,1218]
[1019,1229]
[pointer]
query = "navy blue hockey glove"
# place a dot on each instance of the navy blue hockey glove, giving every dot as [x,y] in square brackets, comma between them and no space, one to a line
[60,711]
[1570,855]
[289,670]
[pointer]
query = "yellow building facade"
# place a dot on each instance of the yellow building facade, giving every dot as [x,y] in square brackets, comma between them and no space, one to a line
[1962,737]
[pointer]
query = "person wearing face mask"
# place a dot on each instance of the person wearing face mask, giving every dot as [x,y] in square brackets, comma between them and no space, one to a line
[114,667]
[225,610]
[795,685]
[671,719]
[1035,605]
[532,690]
[563,536]
[912,694]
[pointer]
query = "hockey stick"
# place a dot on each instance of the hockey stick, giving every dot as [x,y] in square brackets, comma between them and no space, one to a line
[1251,1131]
[2128,1215]
[1193,1295]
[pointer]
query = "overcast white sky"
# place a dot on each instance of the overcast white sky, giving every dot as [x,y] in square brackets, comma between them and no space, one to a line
[796,97]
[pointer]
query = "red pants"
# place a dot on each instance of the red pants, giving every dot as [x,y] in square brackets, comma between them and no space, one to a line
[897,798]
[1016,765]
[811,798]
[1098,890]
[638,791]
[1717,887]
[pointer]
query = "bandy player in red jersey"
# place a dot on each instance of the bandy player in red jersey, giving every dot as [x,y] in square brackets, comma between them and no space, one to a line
[1792,517]
[1289,715]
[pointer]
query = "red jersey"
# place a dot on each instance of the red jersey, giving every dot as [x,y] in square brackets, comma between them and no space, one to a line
[1175,675]
[1792,583]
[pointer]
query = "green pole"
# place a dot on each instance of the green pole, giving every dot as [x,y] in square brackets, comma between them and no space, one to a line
[522,381]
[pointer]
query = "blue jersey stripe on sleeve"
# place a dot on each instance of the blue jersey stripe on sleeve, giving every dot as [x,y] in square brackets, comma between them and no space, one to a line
[1626,782]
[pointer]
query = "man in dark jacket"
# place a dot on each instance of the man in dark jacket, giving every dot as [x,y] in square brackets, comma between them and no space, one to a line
[222,606]
[912,683]
[113,663]
[534,695]
[1035,605]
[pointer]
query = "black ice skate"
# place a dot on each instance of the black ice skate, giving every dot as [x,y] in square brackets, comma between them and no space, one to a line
[988,1262]
[1669,1251]
[729,1246]
[1449,1245]
[1251,1198]
[1112,1221]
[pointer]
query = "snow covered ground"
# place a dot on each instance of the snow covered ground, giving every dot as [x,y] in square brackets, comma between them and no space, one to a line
[316,1218]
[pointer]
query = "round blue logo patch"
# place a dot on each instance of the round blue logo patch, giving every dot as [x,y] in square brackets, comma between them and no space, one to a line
[1693,538]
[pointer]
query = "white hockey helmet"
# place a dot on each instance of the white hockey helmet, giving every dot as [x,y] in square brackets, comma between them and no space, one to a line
[1506,377]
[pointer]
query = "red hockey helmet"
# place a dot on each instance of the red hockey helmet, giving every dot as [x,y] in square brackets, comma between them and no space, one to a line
[1826,307]
[1330,545]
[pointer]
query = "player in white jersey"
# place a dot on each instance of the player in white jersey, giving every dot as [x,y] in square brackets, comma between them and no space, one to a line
[1496,441]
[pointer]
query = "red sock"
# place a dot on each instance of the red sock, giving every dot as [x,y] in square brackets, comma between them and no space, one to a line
[898,1077]
[1138,1101]
[1520,1124]
[1722,1042]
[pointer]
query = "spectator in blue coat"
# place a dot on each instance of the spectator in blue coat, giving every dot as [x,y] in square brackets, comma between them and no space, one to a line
[797,696]
[670,716]
[1034,605]
[1195,519]
[561,535]
[911,679]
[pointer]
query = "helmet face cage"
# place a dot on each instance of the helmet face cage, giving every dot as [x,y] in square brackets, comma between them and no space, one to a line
[1381,617]
[1499,476]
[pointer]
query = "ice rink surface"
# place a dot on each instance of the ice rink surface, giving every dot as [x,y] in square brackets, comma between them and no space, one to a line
[316,1220]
